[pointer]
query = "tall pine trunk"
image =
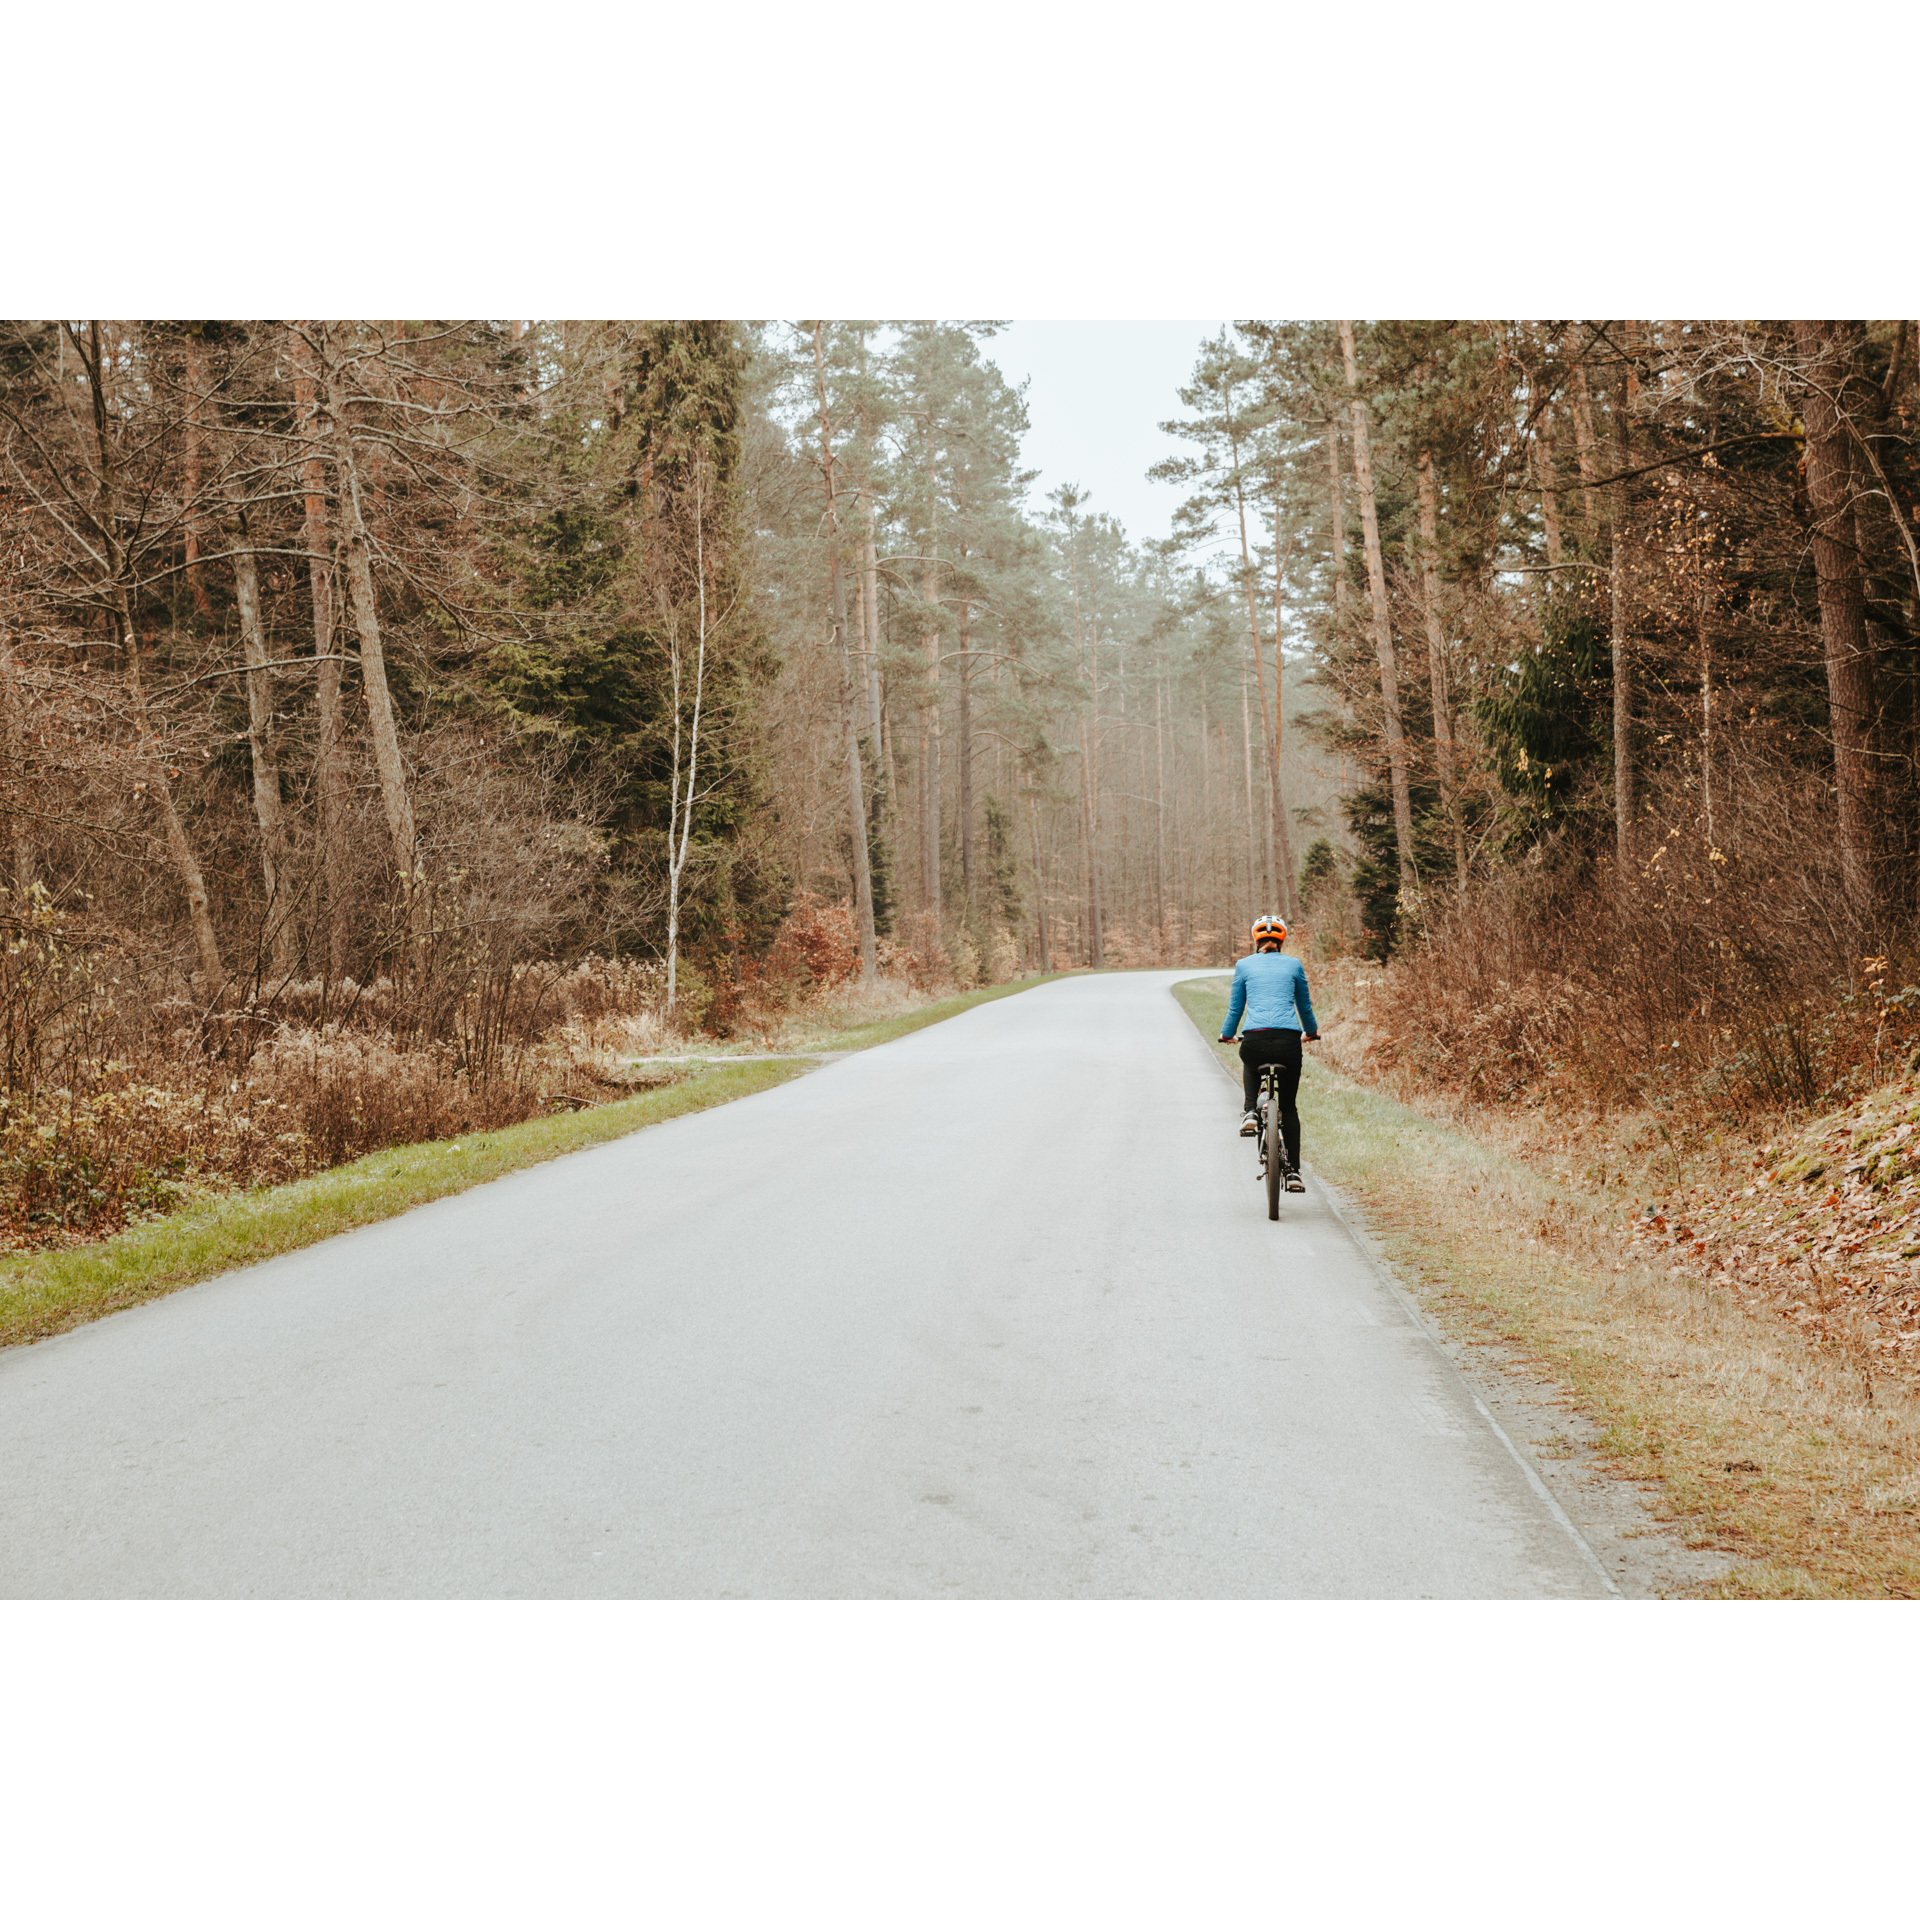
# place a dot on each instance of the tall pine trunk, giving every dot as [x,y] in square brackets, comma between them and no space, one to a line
[870,604]
[1584,442]
[331,748]
[1089,759]
[1626,798]
[1159,820]
[1039,883]
[930,733]
[857,823]
[849,704]
[358,552]
[1274,869]
[683,794]
[19,847]
[1437,660]
[269,819]
[194,506]
[1255,896]
[1337,516]
[1289,890]
[1827,351]
[1549,481]
[1382,625]
[965,719]
[180,854]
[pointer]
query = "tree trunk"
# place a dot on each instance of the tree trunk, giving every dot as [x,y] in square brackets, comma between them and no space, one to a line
[1274,870]
[1095,945]
[930,733]
[195,514]
[266,769]
[331,757]
[849,702]
[1289,890]
[1706,721]
[1826,350]
[1583,436]
[1159,822]
[681,796]
[1625,794]
[1090,776]
[966,757]
[1039,884]
[381,727]
[856,798]
[1437,660]
[1338,516]
[1253,835]
[19,847]
[199,910]
[1211,839]
[889,770]
[1382,625]
[213,974]
[876,756]
[1549,480]
[870,601]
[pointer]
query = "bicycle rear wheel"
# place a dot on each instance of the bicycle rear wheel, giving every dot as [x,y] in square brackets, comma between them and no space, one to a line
[1276,1155]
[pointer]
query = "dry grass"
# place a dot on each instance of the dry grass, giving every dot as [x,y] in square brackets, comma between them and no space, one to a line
[1505,1223]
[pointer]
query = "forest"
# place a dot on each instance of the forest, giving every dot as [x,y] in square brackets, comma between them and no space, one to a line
[398,715]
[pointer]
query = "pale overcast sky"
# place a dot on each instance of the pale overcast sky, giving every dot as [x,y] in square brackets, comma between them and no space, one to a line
[1100,389]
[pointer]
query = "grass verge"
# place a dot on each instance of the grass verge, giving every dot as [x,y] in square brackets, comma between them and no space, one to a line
[47,1293]
[1750,1440]
[829,1037]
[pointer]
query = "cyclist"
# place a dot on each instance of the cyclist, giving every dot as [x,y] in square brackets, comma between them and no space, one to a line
[1270,988]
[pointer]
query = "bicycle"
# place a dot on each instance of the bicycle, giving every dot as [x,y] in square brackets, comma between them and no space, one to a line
[1274,1169]
[1272,1145]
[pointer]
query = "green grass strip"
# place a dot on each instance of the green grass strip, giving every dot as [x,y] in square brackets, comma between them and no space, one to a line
[48,1293]
[879,1032]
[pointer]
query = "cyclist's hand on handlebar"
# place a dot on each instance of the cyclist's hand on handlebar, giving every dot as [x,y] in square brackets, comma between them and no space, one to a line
[1226,1039]
[1310,1038]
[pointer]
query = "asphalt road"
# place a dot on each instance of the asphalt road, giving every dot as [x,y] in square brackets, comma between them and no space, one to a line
[995,1310]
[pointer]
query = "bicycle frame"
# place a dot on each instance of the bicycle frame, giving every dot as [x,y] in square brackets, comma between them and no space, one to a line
[1269,1090]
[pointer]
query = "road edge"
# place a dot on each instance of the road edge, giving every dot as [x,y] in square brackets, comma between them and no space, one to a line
[1630,1518]
[1346,1211]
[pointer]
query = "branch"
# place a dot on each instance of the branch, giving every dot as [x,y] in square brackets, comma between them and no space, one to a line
[261,666]
[1634,473]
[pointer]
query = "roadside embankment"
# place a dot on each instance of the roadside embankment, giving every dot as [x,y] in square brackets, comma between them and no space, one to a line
[49,1292]
[1821,1228]
[1750,1437]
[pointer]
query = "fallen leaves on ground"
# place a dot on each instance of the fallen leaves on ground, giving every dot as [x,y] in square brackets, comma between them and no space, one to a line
[1826,1231]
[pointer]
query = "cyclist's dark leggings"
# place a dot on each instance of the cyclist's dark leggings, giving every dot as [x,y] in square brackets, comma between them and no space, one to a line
[1281,1045]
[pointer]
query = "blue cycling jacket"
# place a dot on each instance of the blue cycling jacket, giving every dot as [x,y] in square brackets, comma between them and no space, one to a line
[1271,989]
